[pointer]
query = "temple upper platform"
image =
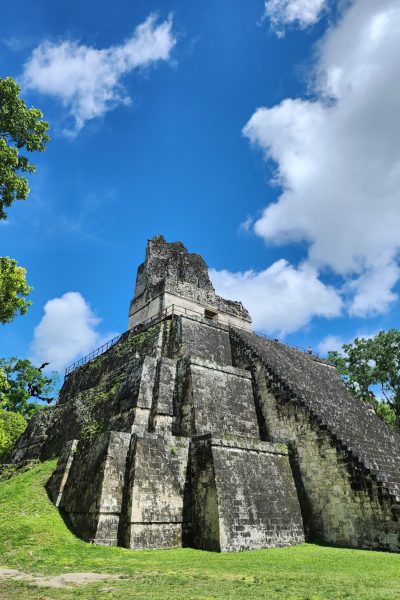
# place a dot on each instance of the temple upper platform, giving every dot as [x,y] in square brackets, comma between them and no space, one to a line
[175,281]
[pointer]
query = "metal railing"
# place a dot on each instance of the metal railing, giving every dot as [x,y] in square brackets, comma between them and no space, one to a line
[176,309]
[168,313]
[165,314]
[93,354]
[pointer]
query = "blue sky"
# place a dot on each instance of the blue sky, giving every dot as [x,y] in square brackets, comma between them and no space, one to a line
[262,135]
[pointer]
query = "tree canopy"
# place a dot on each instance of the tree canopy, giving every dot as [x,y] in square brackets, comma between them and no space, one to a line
[13,289]
[370,369]
[12,425]
[21,128]
[20,382]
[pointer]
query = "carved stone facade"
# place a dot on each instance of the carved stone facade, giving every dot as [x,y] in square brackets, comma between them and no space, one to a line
[193,431]
[174,281]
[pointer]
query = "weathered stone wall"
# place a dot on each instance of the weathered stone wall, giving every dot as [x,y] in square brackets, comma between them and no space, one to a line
[342,501]
[154,492]
[141,309]
[317,386]
[189,336]
[214,398]
[92,494]
[162,410]
[112,392]
[170,271]
[124,489]
[243,495]
[203,499]
[59,478]
[32,441]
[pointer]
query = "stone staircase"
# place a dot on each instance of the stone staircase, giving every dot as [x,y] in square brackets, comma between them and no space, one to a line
[317,386]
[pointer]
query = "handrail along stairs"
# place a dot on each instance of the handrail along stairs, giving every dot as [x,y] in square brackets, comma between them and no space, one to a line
[168,313]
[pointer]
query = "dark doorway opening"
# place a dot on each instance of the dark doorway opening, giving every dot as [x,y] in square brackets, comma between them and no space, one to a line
[210,314]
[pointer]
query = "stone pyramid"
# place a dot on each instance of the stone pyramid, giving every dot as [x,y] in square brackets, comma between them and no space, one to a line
[190,430]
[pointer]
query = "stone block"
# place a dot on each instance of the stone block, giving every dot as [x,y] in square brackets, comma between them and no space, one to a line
[162,410]
[92,496]
[214,398]
[58,480]
[154,491]
[190,336]
[243,495]
[164,391]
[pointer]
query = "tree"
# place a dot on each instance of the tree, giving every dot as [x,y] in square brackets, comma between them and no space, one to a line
[21,128]
[371,365]
[4,387]
[24,381]
[12,425]
[13,289]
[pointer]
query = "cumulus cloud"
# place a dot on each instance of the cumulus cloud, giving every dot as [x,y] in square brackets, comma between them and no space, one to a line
[337,157]
[330,342]
[301,13]
[87,80]
[67,330]
[333,342]
[280,299]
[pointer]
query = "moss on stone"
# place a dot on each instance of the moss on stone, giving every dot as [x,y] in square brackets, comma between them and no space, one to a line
[129,345]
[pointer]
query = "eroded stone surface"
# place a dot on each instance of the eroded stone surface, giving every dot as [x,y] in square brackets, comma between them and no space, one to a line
[171,276]
[345,460]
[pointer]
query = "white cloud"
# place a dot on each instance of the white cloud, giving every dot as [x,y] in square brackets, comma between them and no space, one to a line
[281,299]
[246,225]
[67,330]
[333,342]
[87,80]
[330,342]
[293,12]
[373,291]
[338,158]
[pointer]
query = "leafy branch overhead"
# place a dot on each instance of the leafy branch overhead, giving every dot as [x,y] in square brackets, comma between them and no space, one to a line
[21,128]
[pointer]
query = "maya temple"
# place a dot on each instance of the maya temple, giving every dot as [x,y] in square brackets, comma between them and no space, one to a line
[191,430]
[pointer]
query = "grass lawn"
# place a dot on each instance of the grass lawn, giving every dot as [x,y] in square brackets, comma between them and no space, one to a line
[34,539]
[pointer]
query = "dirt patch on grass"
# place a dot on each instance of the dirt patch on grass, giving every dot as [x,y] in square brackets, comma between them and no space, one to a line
[56,581]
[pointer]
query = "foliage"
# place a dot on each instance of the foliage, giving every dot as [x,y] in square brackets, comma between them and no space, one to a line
[23,382]
[91,431]
[34,538]
[13,289]
[21,128]
[9,470]
[11,426]
[369,363]
[4,386]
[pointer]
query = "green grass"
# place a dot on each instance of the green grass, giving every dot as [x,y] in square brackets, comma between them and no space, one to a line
[34,538]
